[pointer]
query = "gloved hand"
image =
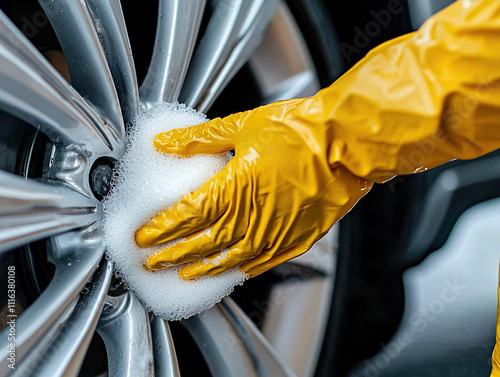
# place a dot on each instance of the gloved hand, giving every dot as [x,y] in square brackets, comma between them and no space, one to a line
[495,359]
[413,103]
[272,201]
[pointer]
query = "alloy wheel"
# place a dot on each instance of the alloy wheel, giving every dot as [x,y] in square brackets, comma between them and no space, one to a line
[50,195]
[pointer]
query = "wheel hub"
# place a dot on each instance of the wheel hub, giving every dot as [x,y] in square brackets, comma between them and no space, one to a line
[100,178]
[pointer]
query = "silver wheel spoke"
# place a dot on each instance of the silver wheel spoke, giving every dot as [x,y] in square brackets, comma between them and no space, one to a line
[263,355]
[76,255]
[234,31]
[303,319]
[164,351]
[66,354]
[110,24]
[281,64]
[302,309]
[178,24]
[89,71]
[125,328]
[30,210]
[220,345]
[301,85]
[33,91]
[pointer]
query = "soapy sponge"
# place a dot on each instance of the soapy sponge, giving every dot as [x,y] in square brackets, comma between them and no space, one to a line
[146,182]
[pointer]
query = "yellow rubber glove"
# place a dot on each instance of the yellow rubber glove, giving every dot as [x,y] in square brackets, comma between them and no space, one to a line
[411,104]
[272,201]
[495,360]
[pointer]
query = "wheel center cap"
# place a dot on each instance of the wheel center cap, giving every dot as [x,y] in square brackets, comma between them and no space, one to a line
[100,178]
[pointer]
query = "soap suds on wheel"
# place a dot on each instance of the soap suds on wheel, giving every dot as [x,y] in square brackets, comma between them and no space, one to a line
[145,183]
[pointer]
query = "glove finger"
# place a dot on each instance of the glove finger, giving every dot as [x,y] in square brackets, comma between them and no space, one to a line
[201,244]
[212,137]
[195,211]
[219,262]
[267,260]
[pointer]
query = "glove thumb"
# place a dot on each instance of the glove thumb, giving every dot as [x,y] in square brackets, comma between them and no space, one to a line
[215,136]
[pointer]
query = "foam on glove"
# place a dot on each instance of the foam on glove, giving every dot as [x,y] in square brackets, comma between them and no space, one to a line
[145,183]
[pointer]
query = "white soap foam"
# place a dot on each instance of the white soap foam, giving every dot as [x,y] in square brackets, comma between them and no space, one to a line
[145,183]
